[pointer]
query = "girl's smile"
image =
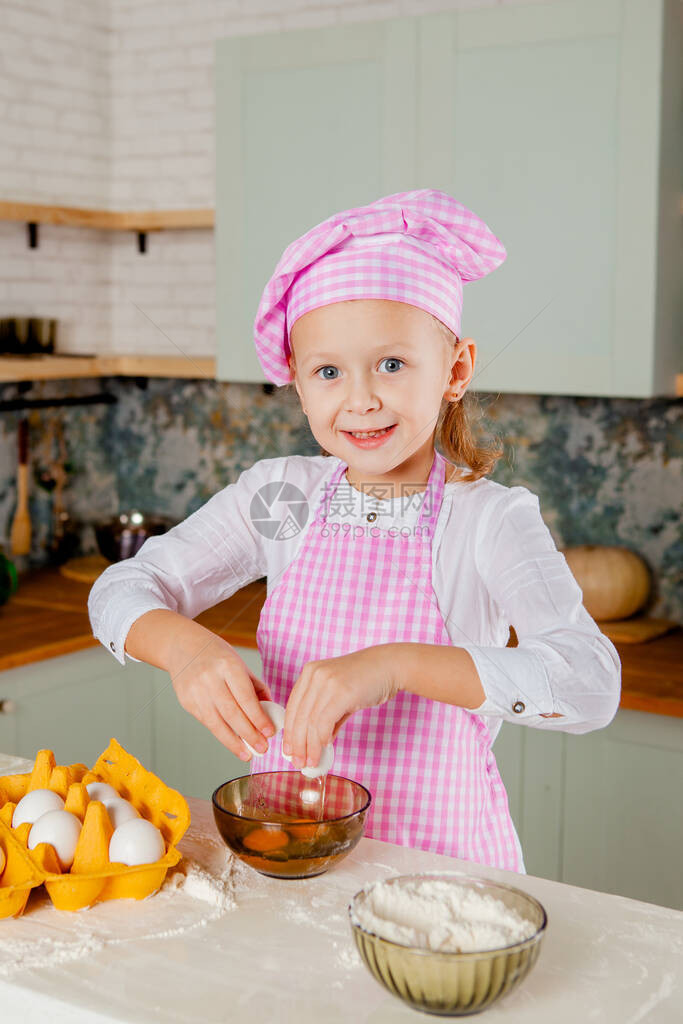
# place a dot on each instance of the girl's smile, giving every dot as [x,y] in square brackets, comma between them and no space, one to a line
[371,439]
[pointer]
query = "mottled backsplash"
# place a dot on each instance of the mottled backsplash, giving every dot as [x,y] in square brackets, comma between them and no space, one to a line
[607,471]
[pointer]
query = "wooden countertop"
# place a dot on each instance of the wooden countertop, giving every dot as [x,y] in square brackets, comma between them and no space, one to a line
[48,616]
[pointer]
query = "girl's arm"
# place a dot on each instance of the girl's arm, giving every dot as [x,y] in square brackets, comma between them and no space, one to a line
[203,560]
[144,607]
[210,679]
[564,674]
[429,670]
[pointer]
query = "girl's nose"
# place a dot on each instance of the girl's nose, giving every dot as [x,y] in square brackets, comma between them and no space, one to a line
[361,397]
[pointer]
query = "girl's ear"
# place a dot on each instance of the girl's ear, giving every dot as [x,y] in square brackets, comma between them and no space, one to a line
[462,367]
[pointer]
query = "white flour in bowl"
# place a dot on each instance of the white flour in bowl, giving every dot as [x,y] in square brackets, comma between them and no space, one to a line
[441,916]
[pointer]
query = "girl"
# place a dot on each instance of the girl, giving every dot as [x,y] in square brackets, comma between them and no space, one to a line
[394,577]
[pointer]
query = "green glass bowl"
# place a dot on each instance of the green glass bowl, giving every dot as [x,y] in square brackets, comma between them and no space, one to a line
[268,820]
[444,983]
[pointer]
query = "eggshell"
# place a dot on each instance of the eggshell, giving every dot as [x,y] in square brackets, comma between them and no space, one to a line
[276,713]
[119,810]
[60,829]
[137,841]
[34,805]
[323,766]
[101,791]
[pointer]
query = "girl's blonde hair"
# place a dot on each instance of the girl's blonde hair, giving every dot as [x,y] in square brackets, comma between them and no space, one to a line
[454,428]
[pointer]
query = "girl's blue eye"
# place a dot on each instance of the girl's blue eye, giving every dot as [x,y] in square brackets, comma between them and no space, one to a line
[387,359]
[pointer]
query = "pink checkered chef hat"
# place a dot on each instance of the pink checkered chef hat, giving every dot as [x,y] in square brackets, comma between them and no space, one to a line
[416,247]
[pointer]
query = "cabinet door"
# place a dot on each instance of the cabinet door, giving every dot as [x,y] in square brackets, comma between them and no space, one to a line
[74,704]
[544,119]
[556,123]
[531,766]
[623,824]
[186,755]
[308,123]
[7,719]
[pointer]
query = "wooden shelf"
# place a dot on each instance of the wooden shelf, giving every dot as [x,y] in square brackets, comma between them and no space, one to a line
[107,220]
[56,367]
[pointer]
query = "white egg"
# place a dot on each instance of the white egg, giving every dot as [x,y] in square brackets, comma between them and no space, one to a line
[101,791]
[276,713]
[137,841]
[323,766]
[3,860]
[119,810]
[35,804]
[61,830]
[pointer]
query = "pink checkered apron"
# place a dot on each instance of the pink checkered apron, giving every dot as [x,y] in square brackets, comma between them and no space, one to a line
[429,766]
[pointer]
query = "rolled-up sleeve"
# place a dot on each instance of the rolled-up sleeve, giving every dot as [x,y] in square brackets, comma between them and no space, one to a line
[563,664]
[195,565]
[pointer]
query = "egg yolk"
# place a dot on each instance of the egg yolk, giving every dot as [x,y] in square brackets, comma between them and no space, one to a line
[264,839]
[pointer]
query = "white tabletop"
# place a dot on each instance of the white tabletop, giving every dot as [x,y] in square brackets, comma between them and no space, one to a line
[280,951]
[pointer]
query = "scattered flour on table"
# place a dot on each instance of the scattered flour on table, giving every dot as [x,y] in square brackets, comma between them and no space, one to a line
[194,880]
[18,955]
[120,921]
[348,956]
[441,916]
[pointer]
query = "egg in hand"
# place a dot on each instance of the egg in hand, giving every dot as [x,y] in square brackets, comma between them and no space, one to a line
[276,713]
[321,768]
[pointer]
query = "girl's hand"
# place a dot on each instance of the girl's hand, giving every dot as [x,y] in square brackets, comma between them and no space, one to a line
[328,692]
[218,688]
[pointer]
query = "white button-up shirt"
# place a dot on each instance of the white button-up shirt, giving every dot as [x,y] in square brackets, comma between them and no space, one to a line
[494,563]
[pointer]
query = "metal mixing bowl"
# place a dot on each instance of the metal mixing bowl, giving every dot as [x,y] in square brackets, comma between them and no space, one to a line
[122,536]
[444,983]
[270,821]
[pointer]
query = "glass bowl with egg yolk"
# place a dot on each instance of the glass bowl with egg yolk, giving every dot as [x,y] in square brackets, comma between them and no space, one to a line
[287,826]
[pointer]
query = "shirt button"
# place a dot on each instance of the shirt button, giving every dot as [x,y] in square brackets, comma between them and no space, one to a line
[111,644]
[371,516]
[518,707]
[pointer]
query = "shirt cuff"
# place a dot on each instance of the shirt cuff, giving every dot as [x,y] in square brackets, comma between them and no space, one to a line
[500,671]
[116,641]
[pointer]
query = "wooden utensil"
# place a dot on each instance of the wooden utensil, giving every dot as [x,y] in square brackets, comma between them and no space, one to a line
[85,569]
[20,533]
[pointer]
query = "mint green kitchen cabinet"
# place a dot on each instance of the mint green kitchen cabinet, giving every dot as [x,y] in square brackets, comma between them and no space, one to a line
[556,122]
[7,722]
[603,810]
[74,704]
[307,122]
[531,765]
[623,809]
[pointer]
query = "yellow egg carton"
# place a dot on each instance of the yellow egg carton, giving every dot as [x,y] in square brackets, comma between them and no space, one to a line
[92,877]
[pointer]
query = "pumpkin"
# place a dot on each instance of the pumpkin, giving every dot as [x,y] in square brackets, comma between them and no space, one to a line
[615,581]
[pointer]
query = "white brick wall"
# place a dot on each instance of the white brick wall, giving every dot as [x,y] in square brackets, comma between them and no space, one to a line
[110,104]
[55,88]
